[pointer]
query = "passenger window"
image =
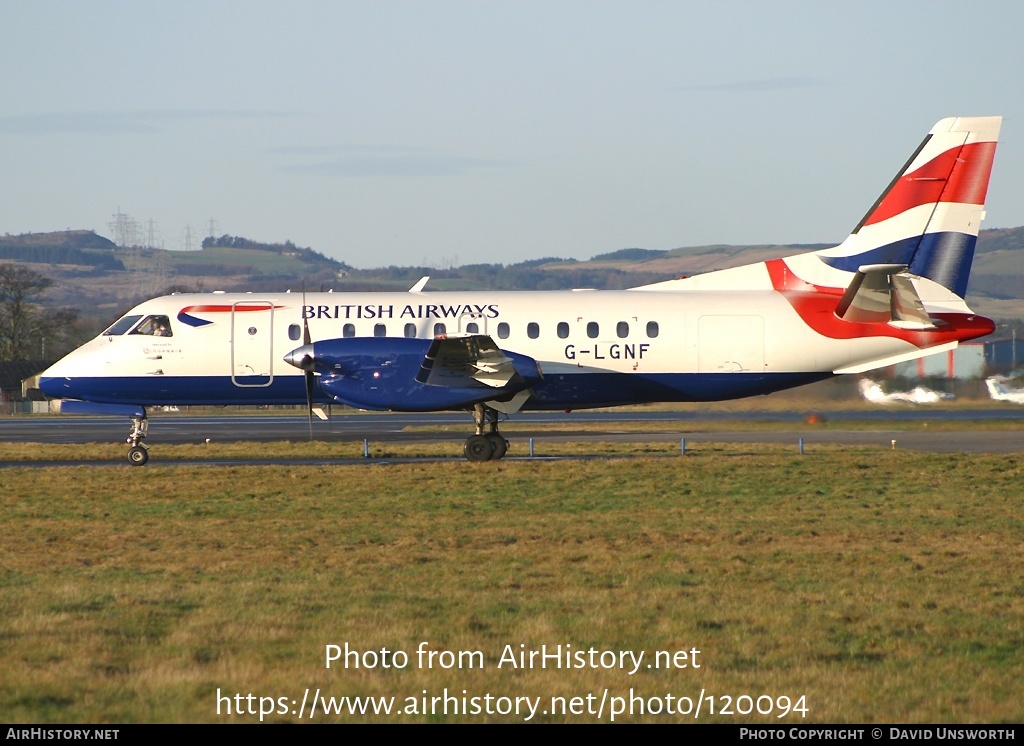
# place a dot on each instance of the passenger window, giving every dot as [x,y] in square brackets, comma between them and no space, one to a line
[154,326]
[439,329]
[593,329]
[622,329]
[349,330]
[533,330]
[122,325]
[294,332]
[410,330]
[563,330]
[379,330]
[473,328]
[502,330]
[652,329]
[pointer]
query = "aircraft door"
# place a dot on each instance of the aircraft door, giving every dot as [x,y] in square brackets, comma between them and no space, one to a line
[252,343]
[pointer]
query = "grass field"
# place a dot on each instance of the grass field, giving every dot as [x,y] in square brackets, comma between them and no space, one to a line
[879,586]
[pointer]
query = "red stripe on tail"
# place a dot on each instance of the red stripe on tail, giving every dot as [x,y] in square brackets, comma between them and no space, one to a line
[958,175]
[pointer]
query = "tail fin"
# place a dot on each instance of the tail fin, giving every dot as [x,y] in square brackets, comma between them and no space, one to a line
[929,216]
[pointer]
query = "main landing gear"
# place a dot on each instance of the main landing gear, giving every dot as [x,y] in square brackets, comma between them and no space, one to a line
[138,452]
[485,446]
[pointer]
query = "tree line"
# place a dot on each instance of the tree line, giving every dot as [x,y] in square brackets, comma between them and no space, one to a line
[27,326]
[60,255]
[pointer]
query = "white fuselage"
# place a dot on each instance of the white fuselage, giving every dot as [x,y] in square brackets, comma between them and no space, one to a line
[693,344]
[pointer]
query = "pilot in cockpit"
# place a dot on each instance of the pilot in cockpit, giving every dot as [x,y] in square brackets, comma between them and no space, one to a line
[155,326]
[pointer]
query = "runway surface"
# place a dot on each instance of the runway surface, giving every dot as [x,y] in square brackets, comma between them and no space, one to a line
[600,426]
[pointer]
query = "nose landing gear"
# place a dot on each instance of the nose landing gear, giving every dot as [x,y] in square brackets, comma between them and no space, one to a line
[138,452]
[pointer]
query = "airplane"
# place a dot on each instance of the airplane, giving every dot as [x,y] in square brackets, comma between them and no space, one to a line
[872,392]
[997,390]
[892,291]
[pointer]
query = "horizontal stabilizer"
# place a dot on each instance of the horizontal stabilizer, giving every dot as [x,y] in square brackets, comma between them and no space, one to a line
[883,294]
[882,362]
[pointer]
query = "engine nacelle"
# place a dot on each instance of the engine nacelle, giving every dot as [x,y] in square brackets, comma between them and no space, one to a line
[381,373]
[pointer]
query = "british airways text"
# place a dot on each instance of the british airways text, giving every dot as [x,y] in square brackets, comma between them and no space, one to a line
[422,311]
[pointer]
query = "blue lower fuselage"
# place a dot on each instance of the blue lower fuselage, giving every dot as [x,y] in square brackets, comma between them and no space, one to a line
[557,391]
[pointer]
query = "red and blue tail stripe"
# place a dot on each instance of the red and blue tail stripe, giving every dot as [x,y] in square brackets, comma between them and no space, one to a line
[959,175]
[929,216]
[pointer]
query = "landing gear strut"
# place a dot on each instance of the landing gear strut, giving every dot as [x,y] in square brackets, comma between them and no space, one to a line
[485,446]
[138,452]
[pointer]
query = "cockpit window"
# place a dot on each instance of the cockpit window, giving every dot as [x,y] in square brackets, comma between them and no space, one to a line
[122,325]
[154,326]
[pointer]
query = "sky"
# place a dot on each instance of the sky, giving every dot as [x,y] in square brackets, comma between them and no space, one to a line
[444,133]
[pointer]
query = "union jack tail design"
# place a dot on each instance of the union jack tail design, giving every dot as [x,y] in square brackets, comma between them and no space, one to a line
[929,216]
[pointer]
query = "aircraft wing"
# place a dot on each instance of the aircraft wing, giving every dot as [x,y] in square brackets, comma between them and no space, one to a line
[466,361]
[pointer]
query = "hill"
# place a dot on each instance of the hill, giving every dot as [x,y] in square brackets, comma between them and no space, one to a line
[103,279]
[998,254]
[80,248]
[92,273]
[996,287]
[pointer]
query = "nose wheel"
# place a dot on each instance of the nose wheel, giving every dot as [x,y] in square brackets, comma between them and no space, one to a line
[138,452]
[485,446]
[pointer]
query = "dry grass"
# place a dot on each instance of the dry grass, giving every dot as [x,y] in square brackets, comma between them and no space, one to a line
[885,586]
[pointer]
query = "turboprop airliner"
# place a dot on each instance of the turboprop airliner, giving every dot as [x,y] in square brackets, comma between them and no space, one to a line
[872,392]
[998,390]
[892,291]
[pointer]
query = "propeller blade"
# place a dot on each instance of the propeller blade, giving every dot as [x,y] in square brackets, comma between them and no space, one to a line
[305,322]
[309,400]
[307,340]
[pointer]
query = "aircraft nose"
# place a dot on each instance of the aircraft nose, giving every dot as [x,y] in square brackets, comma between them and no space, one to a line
[53,387]
[301,357]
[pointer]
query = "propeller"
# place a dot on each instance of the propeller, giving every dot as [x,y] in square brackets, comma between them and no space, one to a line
[304,358]
[307,365]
